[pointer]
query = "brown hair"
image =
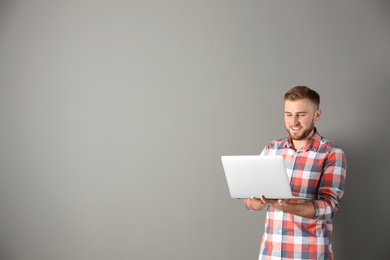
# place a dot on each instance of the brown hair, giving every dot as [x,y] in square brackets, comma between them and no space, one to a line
[301,92]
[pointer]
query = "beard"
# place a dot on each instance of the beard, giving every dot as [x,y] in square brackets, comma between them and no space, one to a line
[304,134]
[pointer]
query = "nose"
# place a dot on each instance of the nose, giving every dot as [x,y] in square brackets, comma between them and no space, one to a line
[295,120]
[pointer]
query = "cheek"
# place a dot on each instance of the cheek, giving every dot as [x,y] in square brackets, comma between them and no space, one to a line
[310,122]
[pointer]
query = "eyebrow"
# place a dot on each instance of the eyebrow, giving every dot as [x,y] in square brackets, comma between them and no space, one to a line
[301,112]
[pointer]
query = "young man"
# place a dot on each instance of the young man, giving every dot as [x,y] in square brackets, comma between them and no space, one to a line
[317,169]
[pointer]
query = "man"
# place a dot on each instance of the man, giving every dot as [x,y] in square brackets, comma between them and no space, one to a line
[317,169]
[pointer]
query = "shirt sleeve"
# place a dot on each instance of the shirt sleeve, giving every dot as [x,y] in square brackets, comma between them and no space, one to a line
[332,184]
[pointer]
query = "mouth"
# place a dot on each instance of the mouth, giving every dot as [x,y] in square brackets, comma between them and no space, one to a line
[295,128]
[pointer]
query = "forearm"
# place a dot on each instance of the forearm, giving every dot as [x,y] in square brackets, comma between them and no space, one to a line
[302,209]
[306,209]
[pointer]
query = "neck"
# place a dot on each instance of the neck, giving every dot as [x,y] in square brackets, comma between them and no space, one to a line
[298,144]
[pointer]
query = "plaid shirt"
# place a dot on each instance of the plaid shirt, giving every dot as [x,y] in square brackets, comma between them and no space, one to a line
[317,171]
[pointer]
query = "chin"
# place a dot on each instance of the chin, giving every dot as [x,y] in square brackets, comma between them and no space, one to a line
[295,136]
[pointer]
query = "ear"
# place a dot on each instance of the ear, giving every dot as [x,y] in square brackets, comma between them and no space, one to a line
[317,115]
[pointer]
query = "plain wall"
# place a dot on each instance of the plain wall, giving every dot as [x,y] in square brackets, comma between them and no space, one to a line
[114,115]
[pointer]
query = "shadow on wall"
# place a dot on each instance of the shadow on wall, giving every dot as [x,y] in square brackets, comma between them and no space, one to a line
[362,225]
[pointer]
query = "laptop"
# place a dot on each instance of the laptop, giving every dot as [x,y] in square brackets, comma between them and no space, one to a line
[255,175]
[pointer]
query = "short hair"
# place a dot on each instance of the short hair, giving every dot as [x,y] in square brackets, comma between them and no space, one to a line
[302,92]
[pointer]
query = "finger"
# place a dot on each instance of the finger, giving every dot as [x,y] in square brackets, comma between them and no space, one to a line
[254,198]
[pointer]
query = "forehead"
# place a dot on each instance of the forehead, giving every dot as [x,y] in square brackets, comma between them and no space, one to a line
[300,105]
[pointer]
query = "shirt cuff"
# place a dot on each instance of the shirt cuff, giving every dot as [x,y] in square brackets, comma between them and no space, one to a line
[323,209]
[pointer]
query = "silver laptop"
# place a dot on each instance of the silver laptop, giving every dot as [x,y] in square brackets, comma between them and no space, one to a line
[255,175]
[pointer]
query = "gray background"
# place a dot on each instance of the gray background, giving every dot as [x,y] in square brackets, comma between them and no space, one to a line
[114,115]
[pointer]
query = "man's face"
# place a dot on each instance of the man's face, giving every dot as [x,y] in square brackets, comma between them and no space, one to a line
[299,117]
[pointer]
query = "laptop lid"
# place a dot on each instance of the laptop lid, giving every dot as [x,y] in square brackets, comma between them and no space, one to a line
[254,175]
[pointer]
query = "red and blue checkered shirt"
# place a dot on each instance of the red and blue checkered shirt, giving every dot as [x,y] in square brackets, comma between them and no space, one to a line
[317,171]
